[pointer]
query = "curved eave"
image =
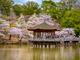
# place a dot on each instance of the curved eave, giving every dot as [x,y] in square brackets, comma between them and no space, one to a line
[44,29]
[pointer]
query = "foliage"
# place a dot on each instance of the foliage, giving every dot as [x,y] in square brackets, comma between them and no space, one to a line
[66,5]
[30,8]
[12,16]
[50,7]
[4,17]
[17,9]
[5,6]
[71,19]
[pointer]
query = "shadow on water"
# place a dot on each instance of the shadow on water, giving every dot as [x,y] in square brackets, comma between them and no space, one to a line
[27,52]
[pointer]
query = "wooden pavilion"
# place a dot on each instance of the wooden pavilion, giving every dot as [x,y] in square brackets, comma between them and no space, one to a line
[44,34]
[44,30]
[48,31]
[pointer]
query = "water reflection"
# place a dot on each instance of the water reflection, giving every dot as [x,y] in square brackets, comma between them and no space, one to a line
[26,52]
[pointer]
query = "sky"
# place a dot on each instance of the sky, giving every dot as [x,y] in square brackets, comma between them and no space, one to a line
[24,1]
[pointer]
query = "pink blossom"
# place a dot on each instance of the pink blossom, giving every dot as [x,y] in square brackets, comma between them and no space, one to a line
[66,31]
[35,20]
[15,30]
[2,20]
[2,34]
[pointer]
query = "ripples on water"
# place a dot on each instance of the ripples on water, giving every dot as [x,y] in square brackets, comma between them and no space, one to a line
[26,52]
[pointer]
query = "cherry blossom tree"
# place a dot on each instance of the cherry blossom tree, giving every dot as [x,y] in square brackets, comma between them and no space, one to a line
[2,25]
[23,26]
[21,19]
[12,17]
[20,23]
[35,20]
[32,21]
[26,33]
[6,25]
[11,20]
[46,18]
[14,30]
[66,32]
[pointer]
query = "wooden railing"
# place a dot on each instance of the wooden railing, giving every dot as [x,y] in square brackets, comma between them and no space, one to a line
[55,39]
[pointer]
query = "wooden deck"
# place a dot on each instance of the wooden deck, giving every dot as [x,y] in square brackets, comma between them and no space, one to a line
[55,40]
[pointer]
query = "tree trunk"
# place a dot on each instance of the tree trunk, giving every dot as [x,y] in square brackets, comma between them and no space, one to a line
[10,37]
[18,35]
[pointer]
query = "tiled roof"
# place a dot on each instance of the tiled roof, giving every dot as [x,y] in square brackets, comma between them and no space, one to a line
[44,26]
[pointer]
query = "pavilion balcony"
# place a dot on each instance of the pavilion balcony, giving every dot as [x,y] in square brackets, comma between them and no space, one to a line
[55,39]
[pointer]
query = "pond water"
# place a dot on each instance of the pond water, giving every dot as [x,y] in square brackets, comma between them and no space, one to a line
[27,52]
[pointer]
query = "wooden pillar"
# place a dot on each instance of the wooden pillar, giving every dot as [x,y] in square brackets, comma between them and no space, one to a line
[45,44]
[37,34]
[56,44]
[73,43]
[49,44]
[54,34]
[51,34]
[59,44]
[40,34]
[34,34]
[45,35]
[41,44]
[38,44]
[35,44]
